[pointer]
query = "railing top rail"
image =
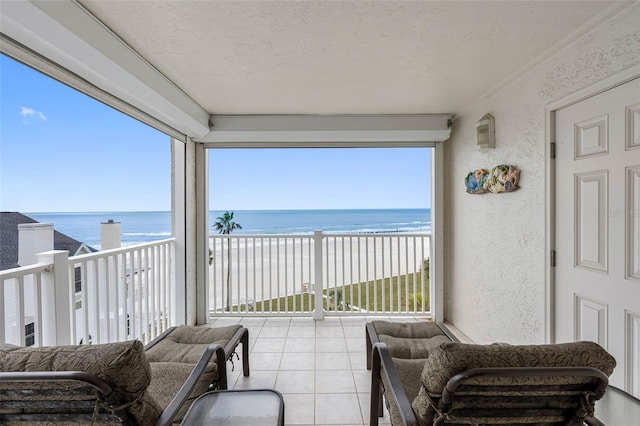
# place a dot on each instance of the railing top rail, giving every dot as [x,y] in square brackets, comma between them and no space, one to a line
[21,271]
[378,234]
[265,236]
[125,249]
[326,234]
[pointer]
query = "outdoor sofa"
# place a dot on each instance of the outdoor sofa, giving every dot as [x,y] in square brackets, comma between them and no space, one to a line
[458,383]
[116,383]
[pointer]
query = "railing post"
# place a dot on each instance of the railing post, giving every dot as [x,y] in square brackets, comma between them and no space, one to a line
[56,312]
[318,313]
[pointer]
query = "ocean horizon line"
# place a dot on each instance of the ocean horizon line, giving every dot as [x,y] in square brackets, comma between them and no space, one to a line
[223,210]
[141,226]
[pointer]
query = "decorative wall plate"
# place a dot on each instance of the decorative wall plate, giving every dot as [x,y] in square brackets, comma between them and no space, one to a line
[475,181]
[502,178]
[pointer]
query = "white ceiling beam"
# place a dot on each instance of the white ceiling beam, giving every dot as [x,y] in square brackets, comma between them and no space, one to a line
[65,33]
[271,131]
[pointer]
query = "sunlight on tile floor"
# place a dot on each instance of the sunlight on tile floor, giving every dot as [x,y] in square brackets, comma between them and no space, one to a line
[319,367]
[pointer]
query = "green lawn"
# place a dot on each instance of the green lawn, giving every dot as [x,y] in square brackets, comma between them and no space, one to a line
[384,291]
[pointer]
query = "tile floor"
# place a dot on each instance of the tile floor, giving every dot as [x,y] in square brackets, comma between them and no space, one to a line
[318,366]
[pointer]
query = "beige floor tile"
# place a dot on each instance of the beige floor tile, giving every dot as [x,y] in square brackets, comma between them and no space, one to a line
[300,344]
[299,408]
[358,360]
[232,376]
[330,344]
[252,342]
[254,331]
[297,361]
[261,361]
[332,361]
[355,344]
[257,380]
[303,322]
[277,322]
[223,322]
[329,332]
[268,345]
[296,382]
[253,322]
[273,331]
[351,321]
[362,378]
[338,409]
[377,318]
[358,331]
[301,331]
[335,381]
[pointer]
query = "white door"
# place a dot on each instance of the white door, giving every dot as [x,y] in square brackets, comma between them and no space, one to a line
[597,277]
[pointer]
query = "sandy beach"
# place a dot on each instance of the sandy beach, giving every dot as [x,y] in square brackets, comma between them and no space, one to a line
[266,267]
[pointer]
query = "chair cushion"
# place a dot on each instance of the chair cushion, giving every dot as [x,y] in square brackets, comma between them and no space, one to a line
[122,365]
[168,378]
[187,343]
[412,348]
[450,359]
[411,330]
[410,340]
[409,373]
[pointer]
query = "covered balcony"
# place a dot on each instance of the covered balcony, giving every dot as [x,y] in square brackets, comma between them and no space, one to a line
[322,74]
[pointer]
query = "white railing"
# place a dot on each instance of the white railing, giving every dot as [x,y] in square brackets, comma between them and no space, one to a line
[351,273]
[107,296]
[28,306]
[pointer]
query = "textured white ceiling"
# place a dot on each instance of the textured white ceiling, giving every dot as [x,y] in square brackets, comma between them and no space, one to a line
[342,57]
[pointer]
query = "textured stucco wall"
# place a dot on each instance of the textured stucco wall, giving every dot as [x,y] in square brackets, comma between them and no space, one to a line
[495,244]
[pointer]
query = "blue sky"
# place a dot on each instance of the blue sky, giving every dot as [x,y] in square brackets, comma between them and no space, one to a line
[61,151]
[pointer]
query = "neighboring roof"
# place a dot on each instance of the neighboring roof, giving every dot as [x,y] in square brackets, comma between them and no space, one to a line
[9,222]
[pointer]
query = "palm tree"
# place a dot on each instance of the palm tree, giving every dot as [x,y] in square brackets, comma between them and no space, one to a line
[225,225]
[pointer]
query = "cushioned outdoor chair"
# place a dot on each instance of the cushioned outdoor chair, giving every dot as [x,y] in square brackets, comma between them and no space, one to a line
[116,383]
[492,384]
[179,348]
[407,340]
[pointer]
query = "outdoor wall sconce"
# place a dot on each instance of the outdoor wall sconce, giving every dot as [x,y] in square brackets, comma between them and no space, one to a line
[486,133]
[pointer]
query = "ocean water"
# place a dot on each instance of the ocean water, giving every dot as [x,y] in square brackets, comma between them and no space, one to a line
[140,227]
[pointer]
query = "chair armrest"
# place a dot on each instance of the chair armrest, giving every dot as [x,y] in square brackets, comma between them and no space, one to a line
[371,339]
[381,360]
[592,421]
[241,337]
[171,411]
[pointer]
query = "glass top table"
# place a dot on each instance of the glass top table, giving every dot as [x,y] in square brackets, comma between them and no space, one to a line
[261,407]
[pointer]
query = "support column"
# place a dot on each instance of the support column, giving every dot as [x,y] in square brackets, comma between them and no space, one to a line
[436,265]
[193,215]
[178,226]
[202,233]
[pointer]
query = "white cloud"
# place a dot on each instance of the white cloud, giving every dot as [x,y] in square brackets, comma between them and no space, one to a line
[27,112]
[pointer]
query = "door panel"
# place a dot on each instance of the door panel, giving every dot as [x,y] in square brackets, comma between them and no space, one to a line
[597,274]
